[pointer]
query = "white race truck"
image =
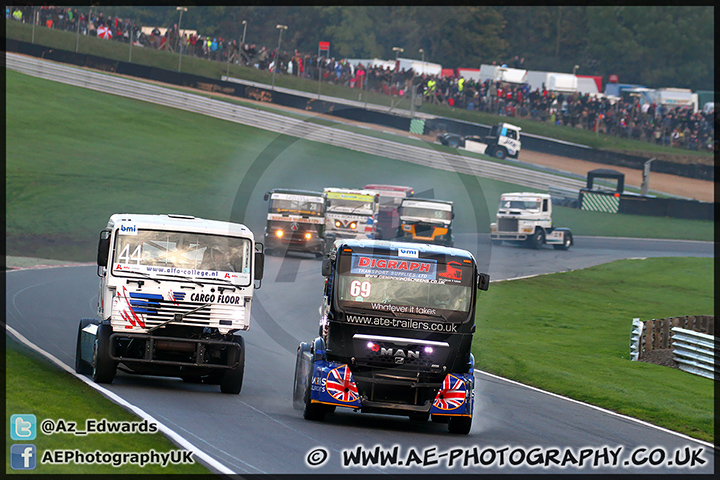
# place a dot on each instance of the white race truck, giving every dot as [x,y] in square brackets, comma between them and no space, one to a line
[175,290]
[351,213]
[527,218]
[503,141]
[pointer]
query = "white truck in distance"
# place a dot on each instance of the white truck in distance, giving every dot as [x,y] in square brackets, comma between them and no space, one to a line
[503,141]
[350,213]
[175,290]
[527,218]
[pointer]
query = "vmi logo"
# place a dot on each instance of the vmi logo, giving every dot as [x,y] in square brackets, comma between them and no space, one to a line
[407,252]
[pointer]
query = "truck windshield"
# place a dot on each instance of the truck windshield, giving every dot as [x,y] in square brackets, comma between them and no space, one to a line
[194,255]
[406,286]
[297,204]
[426,210]
[521,204]
[350,203]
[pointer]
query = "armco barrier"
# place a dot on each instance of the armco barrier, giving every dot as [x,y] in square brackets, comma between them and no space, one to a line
[400,119]
[694,352]
[655,334]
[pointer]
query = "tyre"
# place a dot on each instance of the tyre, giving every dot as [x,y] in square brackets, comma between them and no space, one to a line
[537,239]
[81,366]
[567,241]
[312,411]
[460,425]
[439,419]
[300,377]
[103,367]
[232,379]
[500,153]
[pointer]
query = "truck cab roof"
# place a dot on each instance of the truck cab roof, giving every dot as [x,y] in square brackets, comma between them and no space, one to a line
[524,195]
[180,223]
[387,247]
[291,191]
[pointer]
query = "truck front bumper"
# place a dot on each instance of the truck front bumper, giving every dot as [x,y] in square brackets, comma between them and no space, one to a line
[508,236]
[155,348]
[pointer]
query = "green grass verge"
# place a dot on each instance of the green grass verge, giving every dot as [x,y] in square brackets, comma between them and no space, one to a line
[75,156]
[569,333]
[211,69]
[33,386]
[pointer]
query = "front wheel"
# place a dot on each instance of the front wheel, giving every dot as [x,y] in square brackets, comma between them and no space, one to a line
[500,153]
[537,240]
[460,425]
[232,379]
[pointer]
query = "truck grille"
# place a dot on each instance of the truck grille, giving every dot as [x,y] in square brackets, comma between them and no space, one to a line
[153,310]
[508,225]
[424,229]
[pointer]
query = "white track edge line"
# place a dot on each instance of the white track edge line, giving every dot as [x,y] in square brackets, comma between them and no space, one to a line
[127,405]
[600,409]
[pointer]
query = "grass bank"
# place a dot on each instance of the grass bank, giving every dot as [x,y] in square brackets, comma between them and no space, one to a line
[33,386]
[569,333]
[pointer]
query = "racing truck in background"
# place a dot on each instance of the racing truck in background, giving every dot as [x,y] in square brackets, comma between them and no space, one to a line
[395,334]
[295,221]
[503,141]
[390,198]
[175,293]
[426,220]
[526,218]
[350,213]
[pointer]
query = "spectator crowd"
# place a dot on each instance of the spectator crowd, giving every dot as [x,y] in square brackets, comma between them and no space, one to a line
[671,126]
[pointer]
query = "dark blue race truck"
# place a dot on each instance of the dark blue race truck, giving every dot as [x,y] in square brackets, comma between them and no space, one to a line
[396,328]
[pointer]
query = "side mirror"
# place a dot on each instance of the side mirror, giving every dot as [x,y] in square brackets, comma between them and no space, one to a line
[267,195]
[483,281]
[259,262]
[326,267]
[103,248]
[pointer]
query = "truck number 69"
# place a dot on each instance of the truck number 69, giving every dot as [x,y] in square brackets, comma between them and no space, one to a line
[358,288]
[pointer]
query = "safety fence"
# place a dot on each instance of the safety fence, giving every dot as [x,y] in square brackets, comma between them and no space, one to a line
[690,337]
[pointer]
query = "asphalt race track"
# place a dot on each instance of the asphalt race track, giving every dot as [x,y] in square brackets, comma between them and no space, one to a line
[259,432]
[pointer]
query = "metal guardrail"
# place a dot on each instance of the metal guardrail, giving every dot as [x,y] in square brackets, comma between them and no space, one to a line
[694,352]
[635,337]
[420,155]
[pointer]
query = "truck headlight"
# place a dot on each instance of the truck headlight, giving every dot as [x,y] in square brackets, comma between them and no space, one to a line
[279,233]
[353,225]
[338,224]
[308,236]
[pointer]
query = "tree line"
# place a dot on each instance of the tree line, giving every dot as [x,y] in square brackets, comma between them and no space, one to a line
[656,46]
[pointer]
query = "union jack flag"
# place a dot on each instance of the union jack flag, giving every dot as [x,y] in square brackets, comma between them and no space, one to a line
[340,385]
[451,394]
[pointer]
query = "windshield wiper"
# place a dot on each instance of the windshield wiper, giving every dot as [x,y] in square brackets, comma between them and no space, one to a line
[177,317]
[184,279]
[144,275]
